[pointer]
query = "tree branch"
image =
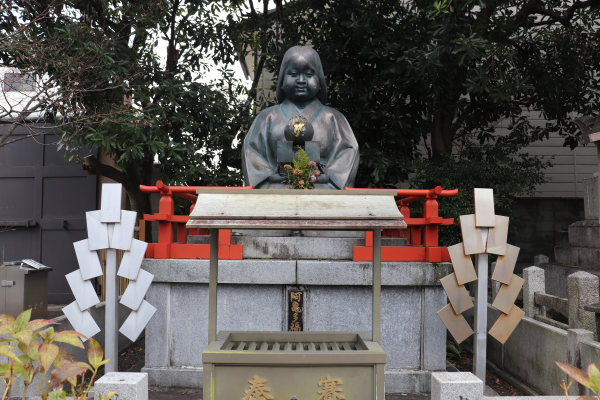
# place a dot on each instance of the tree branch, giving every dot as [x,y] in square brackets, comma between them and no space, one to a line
[92,166]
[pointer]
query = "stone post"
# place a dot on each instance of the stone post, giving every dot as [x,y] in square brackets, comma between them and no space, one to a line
[535,281]
[456,385]
[540,259]
[128,385]
[582,289]
[590,197]
[574,339]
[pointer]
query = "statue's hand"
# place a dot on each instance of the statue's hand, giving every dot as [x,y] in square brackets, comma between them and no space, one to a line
[323,178]
[276,178]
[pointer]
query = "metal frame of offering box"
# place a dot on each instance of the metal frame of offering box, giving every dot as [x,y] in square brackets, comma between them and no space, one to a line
[304,365]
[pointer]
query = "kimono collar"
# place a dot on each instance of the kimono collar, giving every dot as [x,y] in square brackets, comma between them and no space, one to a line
[289,110]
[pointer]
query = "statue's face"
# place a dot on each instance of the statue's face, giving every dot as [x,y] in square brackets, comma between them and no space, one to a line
[301,82]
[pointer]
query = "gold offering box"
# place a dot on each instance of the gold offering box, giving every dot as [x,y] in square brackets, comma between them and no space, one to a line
[304,365]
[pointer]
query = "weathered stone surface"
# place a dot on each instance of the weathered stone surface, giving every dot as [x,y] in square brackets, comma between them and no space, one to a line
[585,234]
[556,277]
[407,381]
[158,330]
[590,197]
[433,347]
[303,248]
[361,273]
[230,271]
[188,324]
[540,259]
[174,378]
[299,248]
[582,290]
[583,257]
[341,308]
[534,282]
[128,385]
[456,385]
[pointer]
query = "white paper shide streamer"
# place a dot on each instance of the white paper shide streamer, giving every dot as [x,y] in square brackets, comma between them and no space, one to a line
[110,228]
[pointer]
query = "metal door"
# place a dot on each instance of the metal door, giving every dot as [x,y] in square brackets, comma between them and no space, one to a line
[43,201]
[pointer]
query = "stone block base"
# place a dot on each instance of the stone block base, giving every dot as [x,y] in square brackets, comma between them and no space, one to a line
[456,385]
[585,234]
[128,385]
[586,258]
[402,381]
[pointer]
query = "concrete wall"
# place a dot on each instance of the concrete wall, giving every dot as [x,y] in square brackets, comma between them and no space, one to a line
[530,353]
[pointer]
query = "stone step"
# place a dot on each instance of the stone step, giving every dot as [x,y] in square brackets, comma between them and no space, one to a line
[298,248]
[585,234]
[587,258]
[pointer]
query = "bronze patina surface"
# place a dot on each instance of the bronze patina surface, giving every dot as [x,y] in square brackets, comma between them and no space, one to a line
[301,89]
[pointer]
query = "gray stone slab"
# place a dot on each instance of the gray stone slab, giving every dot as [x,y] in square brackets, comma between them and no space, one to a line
[188,324]
[566,255]
[585,234]
[455,385]
[360,273]
[174,378]
[158,330]
[433,349]
[407,381]
[250,308]
[230,271]
[305,248]
[302,248]
[556,278]
[590,197]
[239,308]
[128,385]
[344,308]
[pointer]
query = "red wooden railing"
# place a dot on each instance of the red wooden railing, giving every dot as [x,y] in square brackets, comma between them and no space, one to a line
[422,233]
[166,247]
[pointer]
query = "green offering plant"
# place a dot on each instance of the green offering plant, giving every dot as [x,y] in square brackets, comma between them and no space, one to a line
[591,380]
[303,172]
[39,352]
[454,350]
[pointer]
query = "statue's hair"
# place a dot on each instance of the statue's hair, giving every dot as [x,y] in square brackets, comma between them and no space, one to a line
[315,61]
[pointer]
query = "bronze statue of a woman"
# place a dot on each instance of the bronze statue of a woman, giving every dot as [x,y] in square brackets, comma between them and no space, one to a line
[301,89]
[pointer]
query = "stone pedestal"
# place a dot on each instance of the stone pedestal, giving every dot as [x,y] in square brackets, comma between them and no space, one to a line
[252,296]
[128,385]
[456,386]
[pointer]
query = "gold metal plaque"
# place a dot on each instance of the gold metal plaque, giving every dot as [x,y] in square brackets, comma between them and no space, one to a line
[457,294]
[473,243]
[457,324]
[463,264]
[505,299]
[506,324]
[496,243]
[505,265]
[484,208]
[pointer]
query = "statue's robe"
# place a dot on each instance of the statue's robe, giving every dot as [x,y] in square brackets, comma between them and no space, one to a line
[339,149]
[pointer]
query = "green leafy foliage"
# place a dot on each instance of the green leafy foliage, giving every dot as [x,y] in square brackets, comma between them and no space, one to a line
[22,334]
[303,172]
[454,350]
[591,380]
[420,77]
[479,166]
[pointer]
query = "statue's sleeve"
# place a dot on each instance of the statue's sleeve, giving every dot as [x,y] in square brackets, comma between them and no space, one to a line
[257,160]
[342,163]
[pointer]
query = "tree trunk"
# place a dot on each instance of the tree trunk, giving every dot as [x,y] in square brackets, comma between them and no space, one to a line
[441,135]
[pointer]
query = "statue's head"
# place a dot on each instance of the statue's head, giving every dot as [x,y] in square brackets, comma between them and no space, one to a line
[301,76]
